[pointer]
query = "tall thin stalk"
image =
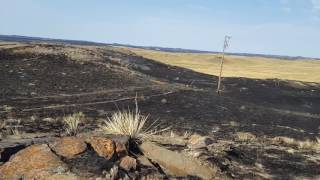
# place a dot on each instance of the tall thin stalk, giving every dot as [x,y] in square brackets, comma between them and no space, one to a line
[225,46]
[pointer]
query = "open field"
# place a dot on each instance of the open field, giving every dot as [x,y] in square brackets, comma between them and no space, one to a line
[239,66]
[258,128]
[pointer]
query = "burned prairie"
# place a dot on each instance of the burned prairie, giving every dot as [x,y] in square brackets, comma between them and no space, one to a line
[54,81]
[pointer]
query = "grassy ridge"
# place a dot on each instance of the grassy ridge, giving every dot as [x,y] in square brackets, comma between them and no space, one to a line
[239,66]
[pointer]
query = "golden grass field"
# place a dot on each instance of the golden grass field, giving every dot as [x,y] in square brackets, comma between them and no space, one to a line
[239,66]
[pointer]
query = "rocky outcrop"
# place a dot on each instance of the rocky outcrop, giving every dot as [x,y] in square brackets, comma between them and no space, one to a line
[50,175]
[35,157]
[176,163]
[121,149]
[127,163]
[103,146]
[69,147]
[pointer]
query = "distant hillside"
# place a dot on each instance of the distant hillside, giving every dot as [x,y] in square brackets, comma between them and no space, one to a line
[27,39]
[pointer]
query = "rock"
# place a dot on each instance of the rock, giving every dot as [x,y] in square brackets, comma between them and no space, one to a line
[144,161]
[48,119]
[195,153]
[120,139]
[69,147]
[242,108]
[121,149]
[167,140]
[163,101]
[127,163]
[50,175]
[103,146]
[198,142]
[121,143]
[144,68]
[176,163]
[35,157]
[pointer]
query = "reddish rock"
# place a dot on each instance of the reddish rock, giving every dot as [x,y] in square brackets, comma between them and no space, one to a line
[49,175]
[35,157]
[103,146]
[127,163]
[69,147]
[121,149]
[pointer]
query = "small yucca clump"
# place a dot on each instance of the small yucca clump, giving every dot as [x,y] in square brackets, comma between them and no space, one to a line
[72,123]
[131,124]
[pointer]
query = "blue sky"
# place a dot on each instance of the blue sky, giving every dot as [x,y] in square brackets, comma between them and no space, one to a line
[284,27]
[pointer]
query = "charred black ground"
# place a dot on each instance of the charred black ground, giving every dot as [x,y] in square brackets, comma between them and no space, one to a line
[43,84]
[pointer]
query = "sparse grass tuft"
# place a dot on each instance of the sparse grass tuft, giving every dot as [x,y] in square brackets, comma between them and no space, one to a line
[3,124]
[72,123]
[132,124]
[306,144]
[245,136]
[7,108]
[234,124]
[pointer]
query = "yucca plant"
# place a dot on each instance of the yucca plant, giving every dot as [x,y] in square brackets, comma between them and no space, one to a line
[132,124]
[72,123]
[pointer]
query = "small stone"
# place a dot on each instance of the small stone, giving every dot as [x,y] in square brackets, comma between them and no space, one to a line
[242,107]
[69,147]
[103,146]
[127,163]
[121,149]
[48,119]
[198,142]
[163,101]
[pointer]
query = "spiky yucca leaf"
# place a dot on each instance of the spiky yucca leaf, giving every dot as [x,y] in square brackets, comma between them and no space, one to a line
[130,124]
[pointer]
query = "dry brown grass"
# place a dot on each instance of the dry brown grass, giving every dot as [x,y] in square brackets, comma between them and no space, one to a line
[72,123]
[306,144]
[132,124]
[245,136]
[239,66]
[3,124]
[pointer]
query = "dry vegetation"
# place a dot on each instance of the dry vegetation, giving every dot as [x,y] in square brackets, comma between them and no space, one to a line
[245,136]
[132,124]
[306,144]
[72,123]
[239,66]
